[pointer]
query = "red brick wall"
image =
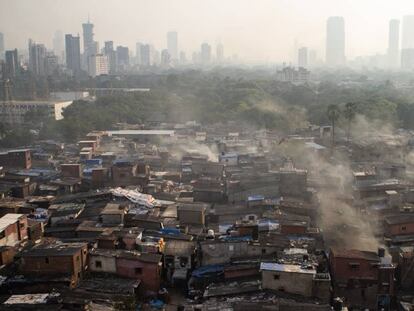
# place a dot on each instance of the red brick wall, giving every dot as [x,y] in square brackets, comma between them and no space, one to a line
[289,229]
[342,270]
[17,159]
[71,170]
[401,229]
[150,276]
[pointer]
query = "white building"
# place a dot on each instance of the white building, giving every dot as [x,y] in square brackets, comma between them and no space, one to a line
[98,64]
[14,111]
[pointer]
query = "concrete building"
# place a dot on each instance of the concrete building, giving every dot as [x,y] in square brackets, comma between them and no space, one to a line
[138,47]
[407,43]
[335,41]
[37,56]
[146,55]
[59,45]
[205,53]
[16,159]
[73,59]
[14,111]
[109,52]
[122,58]
[51,64]
[303,57]
[165,59]
[293,279]
[98,64]
[172,44]
[12,64]
[2,47]
[393,43]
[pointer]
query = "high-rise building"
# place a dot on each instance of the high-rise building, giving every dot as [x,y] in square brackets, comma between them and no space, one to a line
[138,46]
[303,57]
[122,58]
[111,54]
[98,64]
[73,59]
[335,41]
[146,55]
[165,58]
[51,64]
[37,57]
[87,36]
[12,64]
[407,44]
[205,53]
[2,48]
[172,44]
[393,43]
[220,53]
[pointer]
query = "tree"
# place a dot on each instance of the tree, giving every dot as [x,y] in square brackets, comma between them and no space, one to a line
[333,116]
[349,113]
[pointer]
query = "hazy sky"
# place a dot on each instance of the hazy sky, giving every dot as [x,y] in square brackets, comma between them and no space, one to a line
[263,30]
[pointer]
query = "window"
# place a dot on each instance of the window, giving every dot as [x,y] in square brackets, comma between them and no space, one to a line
[354,265]
[77,258]
[231,248]
[263,251]
[276,276]
[98,264]
[403,228]
[47,260]
[138,270]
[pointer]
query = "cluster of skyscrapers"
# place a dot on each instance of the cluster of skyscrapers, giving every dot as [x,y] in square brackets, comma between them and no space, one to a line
[95,61]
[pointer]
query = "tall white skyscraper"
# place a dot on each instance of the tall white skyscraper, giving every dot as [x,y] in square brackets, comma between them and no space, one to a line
[393,43]
[172,44]
[58,44]
[335,41]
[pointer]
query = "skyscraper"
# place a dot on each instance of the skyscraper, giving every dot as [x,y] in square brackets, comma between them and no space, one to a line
[407,44]
[146,55]
[12,64]
[165,58]
[73,59]
[37,57]
[303,57]
[87,36]
[393,43]
[335,41]
[220,52]
[138,46]
[111,54]
[172,44]
[122,58]
[205,53]
[1,43]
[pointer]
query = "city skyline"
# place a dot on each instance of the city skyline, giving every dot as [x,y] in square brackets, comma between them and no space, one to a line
[255,33]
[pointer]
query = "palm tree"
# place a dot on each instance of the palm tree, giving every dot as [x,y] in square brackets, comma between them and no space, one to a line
[333,116]
[349,113]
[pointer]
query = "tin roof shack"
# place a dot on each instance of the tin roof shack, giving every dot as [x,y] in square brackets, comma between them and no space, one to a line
[364,278]
[292,279]
[129,264]
[123,172]
[179,259]
[16,159]
[18,186]
[67,185]
[293,182]
[64,211]
[99,177]
[56,259]
[396,225]
[71,170]
[192,213]
[208,169]
[41,302]
[87,144]
[13,229]
[207,189]
[234,248]
[112,214]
